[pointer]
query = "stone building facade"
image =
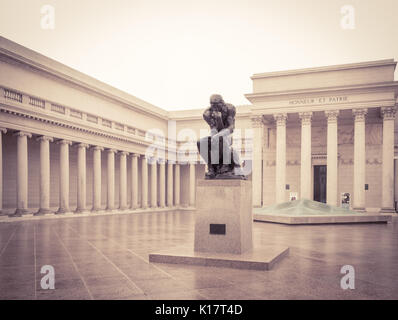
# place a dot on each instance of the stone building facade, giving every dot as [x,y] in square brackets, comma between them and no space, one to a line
[70,143]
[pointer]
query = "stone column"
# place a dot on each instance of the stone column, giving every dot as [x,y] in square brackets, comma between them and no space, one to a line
[144,187]
[396,180]
[387,198]
[81,177]
[162,183]
[305,167]
[2,130]
[359,159]
[154,183]
[22,172]
[123,180]
[192,181]
[134,181]
[169,183]
[177,185]
[44,175]
[332,158]
[64,176]
[97,169]
[257,154]
[110,204]
[280,174]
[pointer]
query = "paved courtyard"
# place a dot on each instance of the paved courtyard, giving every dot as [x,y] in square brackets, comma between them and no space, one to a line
[106,257]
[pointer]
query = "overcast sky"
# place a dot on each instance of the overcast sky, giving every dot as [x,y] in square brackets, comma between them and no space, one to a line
[175,54]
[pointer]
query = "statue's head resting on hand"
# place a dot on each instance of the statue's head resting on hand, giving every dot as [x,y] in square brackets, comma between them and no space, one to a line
[217,102]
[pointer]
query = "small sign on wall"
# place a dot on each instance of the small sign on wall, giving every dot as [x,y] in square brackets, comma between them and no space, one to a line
[345,200]
[293,196]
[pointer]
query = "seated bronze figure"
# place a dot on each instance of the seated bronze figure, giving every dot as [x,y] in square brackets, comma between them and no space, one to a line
[216,150]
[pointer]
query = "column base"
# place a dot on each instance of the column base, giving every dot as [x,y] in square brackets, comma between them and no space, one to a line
[123,208]
[387,210]
[360,209]
[96,210]
[42,211]
[63,211]
[19,213]
[79,210]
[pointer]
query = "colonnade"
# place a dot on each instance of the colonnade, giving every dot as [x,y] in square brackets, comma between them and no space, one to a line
[359,168]
[168,190]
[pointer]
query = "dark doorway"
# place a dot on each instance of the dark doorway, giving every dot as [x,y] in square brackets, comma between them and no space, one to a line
[320,183]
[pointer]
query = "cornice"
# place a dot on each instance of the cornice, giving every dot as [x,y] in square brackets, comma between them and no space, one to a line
[288,94]
[5,109]
[366,64]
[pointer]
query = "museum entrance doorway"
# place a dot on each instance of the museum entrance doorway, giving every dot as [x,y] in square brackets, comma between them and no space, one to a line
[320,183]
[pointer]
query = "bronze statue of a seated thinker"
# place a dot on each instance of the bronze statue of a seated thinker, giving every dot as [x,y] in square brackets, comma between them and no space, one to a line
[216,150]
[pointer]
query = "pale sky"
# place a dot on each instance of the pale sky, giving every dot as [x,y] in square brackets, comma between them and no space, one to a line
[175,54]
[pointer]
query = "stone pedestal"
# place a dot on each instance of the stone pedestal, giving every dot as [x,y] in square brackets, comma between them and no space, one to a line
[223,230]
[223,219]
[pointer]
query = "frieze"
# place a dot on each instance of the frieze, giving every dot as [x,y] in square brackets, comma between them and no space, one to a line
[319,100]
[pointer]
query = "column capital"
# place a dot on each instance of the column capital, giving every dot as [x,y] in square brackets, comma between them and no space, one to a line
[124,153]
[152,160]
[22,134]
[3,130]
[135,155]
[45,138]
[257,121]
[388,113]
[68,142]
[111,150]
[305,117]
[332,115]
[280,118]
[95,148]
[360,114]
[82,145]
